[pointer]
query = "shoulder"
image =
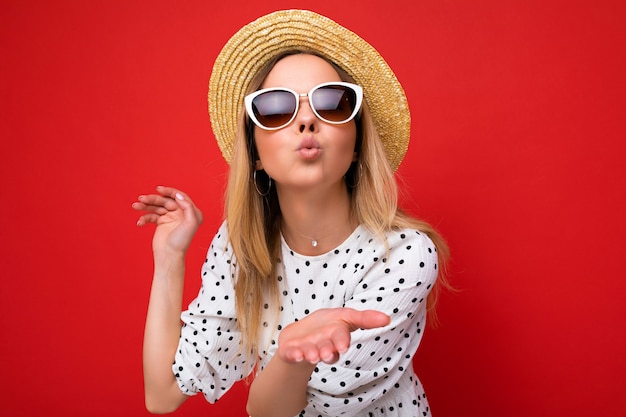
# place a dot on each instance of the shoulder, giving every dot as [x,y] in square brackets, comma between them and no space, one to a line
[410,240]
[220,239]
[397,248]
[413,252]
[403,242]
[222,232]
[220,250]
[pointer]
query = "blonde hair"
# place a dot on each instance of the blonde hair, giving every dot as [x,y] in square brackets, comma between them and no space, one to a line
[253,220]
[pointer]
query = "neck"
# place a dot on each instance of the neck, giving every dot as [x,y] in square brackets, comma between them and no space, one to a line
[315,223]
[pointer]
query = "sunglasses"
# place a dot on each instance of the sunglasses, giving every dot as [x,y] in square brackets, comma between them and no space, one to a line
[333,102]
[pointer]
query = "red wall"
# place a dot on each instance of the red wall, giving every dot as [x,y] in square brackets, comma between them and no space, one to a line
[517,155]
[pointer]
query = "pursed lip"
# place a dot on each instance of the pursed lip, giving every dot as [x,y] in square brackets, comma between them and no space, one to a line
[309,148]
[308,143]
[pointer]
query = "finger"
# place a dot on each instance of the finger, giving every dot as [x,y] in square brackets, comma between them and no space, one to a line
[147,218]
[328,352]
[340,338]
[366,319]
[158,201]
[181,198]
[190,211]
[332,359]
[150,208]
[173,193]
[301,350]
[311,353]
[292,354]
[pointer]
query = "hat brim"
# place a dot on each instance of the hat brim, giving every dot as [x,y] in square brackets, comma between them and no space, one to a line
[255,44]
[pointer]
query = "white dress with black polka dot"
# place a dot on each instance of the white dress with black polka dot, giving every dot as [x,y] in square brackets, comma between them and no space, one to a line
[375,377]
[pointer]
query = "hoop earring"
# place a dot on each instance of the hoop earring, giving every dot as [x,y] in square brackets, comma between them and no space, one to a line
[269,187]
[353,186]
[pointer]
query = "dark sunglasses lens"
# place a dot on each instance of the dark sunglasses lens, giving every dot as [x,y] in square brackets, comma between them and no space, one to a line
[274,108]
[334,102]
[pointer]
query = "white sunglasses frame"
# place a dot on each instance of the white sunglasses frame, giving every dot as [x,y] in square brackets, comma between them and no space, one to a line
[357,107]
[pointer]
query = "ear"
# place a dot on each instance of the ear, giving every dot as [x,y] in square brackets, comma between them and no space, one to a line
[355,157]
[258,165]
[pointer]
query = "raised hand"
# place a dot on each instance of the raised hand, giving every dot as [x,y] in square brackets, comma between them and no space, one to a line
[177,220]
[175,215]
[324,334]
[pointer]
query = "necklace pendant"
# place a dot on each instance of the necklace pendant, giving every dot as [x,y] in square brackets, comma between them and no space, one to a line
[314,243]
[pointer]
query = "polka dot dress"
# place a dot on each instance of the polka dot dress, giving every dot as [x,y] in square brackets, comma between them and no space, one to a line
[375,377]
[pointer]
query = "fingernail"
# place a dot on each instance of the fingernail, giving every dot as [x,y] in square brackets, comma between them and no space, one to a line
[179,196]
[139,222]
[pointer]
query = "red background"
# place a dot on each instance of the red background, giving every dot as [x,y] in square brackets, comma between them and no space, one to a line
[517,157]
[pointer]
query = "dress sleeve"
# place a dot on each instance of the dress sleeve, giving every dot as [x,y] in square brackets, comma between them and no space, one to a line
[396,283]
[208,358]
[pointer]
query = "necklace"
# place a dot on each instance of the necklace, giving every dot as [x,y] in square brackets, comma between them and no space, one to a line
[314,239]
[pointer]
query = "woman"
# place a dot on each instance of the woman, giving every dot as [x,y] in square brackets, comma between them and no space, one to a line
[315,279]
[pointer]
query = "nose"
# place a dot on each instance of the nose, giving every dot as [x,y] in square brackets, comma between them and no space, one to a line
[305,119]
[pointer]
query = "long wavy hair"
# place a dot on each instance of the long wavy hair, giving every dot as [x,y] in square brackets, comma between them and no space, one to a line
[253,220]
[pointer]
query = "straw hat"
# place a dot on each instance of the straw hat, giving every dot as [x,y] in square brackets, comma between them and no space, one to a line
[259,41]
